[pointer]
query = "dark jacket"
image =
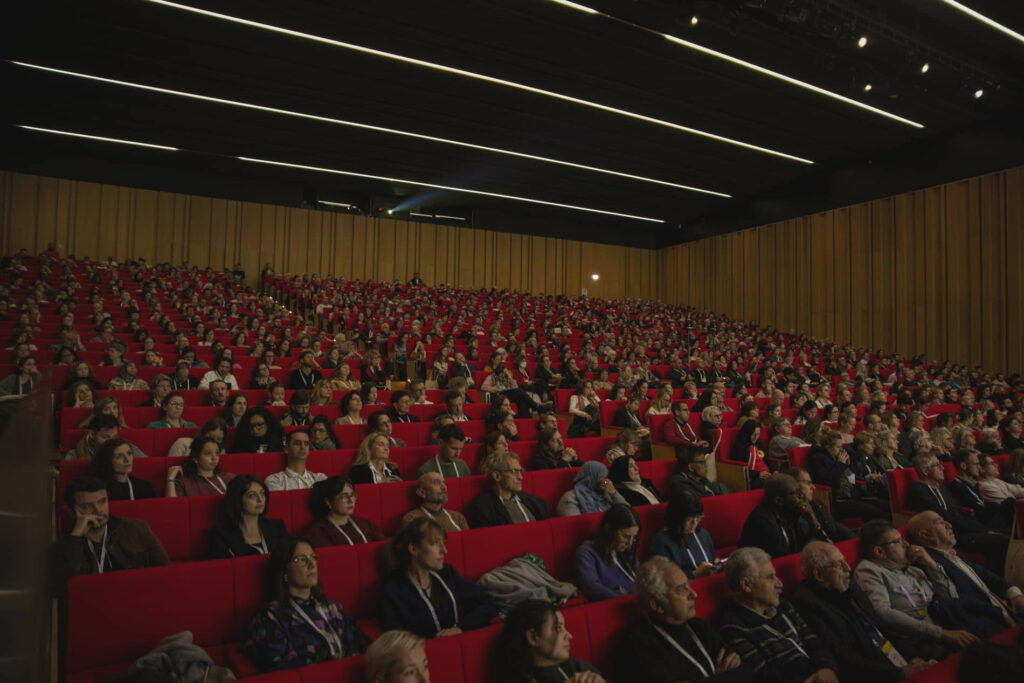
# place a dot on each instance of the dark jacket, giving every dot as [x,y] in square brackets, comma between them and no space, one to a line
[984,617]
[992,514]
[702,488]
[827,471]
[624,419]
[296,380]
[843,626]
[920,498]
[648,657]
[402,605]
[130,545]
[778,532]
[487,510]
[542,460]
[634,498]
[361,474]
[227,540]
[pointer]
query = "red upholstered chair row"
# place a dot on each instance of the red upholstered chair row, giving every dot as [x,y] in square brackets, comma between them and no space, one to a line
[216,600]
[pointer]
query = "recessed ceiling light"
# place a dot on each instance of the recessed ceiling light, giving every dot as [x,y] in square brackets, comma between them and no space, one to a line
[100,138]
[978,93]
[694,20]
[402,181]
[925,67]
[483,77]
[595,276]
[862,41]
[867,87]
[985,20]
[379,129]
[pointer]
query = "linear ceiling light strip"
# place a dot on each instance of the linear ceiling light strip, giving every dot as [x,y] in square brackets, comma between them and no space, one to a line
[983,19]
[483,77]
[100,138]
[402,181]
[745,64]
[379,129]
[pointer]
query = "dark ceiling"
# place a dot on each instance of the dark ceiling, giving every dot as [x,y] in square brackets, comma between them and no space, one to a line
[619,62]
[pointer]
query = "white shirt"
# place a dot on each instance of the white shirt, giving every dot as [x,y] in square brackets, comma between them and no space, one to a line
[288,480]
[212,376]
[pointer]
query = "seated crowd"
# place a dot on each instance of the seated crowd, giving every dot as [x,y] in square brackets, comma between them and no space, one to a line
[912,599]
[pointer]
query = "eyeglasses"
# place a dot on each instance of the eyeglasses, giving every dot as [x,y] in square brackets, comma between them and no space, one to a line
[347,497]
[254,425]
[892,542]
[514,472]
[175,404]
[304,560]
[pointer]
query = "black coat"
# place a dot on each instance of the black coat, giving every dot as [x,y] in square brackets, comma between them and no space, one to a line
[839,621]
[227,540]
[402,605]
[487,510]
[920,499]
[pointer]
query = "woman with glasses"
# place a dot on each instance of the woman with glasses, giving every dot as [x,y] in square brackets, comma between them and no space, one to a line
[300,626]
[683,540]
[333,502]
[247,530]
[425,595]
[173,406]
[258,432]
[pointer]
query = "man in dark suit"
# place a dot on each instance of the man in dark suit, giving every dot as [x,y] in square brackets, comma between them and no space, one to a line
[780,525]
[831,607]
[975,585]
[929,493]
[964,487]
[505,503]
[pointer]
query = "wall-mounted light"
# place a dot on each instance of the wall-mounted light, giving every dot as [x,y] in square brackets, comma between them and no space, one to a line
[595,277]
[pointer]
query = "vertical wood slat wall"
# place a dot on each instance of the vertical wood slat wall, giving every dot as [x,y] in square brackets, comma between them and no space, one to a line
[939,271]
[90,219]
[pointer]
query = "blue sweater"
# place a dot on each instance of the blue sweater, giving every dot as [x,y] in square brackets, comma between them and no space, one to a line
[697,548]
[598,580]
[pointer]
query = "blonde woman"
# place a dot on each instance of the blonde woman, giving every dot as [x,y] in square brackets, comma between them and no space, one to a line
[322,392]
[371,465]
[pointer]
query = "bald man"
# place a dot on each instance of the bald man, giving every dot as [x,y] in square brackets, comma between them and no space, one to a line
[993,603]
[433,492]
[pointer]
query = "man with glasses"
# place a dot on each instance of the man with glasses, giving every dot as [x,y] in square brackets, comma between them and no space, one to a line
[506,503]
[832,608]
[900,582]
[672,644]
[295,476]
[781,524]
[817,514]
[929,493]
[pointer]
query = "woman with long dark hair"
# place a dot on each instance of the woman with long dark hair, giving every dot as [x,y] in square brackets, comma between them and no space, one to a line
[606,564]
[683,540]
[299,626]
[258,432]
[534,648]
[333,502]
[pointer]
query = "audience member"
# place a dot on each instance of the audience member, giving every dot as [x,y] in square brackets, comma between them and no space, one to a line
[451,439]
[371,464]
[433,492]
[299,626]
[113,463]
[606,564]
[397,657]
[782,523]
[683,540]
[424,594]
[351,404]
[552,452]
[592,491]
[295,476]
[966,488]
[505,502]
[768,634]
[333,502]
[200,475]
[636,490]
[247,530]
[534,648]
[258,432]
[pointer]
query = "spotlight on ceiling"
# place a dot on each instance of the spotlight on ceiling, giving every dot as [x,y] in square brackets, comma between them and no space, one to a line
[925,67]
[694,20]
[862,41]
[978,93]
[867,87]
[595,276]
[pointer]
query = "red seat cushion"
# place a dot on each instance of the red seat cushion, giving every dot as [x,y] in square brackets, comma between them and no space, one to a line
[483,554]
[167,518]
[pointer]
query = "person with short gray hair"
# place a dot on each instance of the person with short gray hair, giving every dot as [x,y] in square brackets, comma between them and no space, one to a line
[767,632]
[505,502]
[671,644]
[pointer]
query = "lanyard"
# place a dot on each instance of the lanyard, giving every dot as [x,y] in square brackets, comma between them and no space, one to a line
[974,494]
[333,641]
[785,637]
[703,554]
[347,537]
[430,605]
[706,673]
[565,676]
[937,494]
[382,476]
[131,491]
[625,570]
[526,517]
[262,545]
[219,490]
[437,462]
[101,561]
[446,514]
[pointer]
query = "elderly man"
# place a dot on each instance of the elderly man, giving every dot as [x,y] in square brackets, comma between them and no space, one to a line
[967,491]
[832,609]
[100,543]
[295,476]
[991,598]
[505,502]
[671,644]
[451,439]
[432,490]
[899,595]
[929,493]
[784,521]
[768,634]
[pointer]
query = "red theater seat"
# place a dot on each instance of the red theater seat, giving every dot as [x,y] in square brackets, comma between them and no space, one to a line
[482,553]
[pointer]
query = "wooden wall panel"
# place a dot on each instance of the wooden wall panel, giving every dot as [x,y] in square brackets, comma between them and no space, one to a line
[934,272]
